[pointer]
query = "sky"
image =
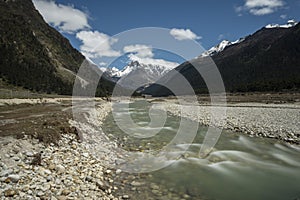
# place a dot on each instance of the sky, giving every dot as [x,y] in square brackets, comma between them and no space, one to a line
[89,23]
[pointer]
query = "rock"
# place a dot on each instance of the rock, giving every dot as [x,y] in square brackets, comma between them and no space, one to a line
[136,184]
[125,196]
[89,178]
[85,155]
[118,171]
[108,191]
[65,192]
[57,181]
[22,194]
[6,172]
[60,169]
[154,186]
[29,154]
[46,187]
[49,178]
[61,198]
[51,166]
[83,188]
[40,193]
[16,158]
[25,188]
[102,185]
[155,192]
[47,171]
[14,177]
[10,193]
[2,179]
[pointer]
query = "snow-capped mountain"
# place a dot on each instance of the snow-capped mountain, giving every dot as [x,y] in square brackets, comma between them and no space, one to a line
[137,74]
[225,43]
[289,24]
[220,47]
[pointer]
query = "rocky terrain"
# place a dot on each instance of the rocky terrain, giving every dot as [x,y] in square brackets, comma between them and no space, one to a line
[59,165]
[279,121]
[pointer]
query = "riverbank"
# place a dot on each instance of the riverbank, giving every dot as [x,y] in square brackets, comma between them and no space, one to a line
[278,121]
[41,156]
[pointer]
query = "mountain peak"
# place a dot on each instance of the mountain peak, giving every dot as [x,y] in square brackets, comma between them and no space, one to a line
[219,47]
[290,23]
[134,64]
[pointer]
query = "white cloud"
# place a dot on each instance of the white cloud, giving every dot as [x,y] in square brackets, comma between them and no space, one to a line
[184,34]
[96,44]
[283,16]
[261,11]
[102,64]
[221,37]
[144,54]
[65,18]
[260,7]
[141,51]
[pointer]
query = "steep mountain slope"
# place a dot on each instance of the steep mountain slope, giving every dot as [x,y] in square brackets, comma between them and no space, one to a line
[268,60]
[33,54]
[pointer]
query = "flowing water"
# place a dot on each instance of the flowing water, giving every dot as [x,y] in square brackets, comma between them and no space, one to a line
[239,168]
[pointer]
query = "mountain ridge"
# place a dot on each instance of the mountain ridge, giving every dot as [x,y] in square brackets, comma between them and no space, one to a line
[267,60]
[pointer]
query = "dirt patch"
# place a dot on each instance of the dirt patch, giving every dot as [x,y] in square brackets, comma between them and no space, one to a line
[45,122]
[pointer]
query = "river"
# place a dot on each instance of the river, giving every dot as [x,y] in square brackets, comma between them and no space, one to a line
[239,167]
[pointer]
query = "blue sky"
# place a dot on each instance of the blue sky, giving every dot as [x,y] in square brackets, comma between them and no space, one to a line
[209,21]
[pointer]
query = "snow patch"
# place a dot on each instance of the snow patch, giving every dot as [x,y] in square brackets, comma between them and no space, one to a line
[289,24]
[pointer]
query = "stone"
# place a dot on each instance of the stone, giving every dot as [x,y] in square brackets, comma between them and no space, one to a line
[154,186]
[47,171]
[22,194]
[85,155]
[136,184]
[51,167]
[102,185]
[25,188]
[89,178]
[49,178]
[46,187]
[40,193]
[14,177]
[6,172]
[10,193]
[83,188]
[125,196]
[118,171]
[65,192]
[60,169]
[16,158]
[61,198]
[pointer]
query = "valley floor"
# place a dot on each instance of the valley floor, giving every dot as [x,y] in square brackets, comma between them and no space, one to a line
[67,169]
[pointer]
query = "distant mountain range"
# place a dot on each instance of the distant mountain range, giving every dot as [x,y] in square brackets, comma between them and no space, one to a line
[137,74]
[35,55]
[268,60]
